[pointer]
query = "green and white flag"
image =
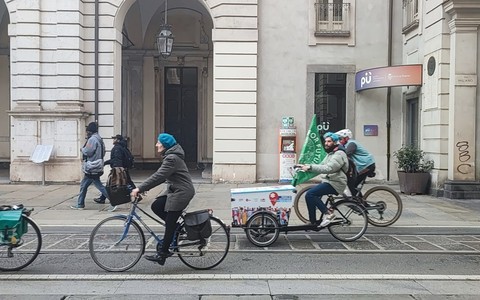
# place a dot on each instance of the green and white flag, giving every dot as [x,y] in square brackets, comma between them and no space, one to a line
[312,153]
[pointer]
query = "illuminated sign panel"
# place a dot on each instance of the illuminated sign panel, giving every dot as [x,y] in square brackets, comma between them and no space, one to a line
[388,76]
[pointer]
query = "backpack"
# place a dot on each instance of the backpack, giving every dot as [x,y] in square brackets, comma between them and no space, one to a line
[351,172]
[117,186]
[129,161]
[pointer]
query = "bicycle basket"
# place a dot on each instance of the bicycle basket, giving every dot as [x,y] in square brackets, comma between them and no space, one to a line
[197,225]
[12,224]
[118,194]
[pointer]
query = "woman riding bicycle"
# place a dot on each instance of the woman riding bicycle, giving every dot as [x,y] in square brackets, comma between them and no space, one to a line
[170,203]
[334,179]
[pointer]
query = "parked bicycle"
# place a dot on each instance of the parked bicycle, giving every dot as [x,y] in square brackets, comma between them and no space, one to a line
[382,204]
[117,243]
[20,238]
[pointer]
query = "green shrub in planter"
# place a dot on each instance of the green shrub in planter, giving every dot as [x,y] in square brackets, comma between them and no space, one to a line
[413,170]
[410,159]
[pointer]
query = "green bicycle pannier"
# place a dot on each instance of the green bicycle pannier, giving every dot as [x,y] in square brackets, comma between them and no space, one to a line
[12,224]
[197,225]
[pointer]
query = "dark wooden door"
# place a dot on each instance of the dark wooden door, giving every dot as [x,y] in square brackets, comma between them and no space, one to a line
[181,109]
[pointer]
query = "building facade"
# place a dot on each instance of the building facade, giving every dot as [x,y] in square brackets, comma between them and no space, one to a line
[237,67]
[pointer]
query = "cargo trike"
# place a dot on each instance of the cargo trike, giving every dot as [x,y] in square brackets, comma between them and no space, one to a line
[264,212]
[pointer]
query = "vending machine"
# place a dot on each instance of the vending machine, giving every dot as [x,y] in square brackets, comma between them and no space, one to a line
[288,149]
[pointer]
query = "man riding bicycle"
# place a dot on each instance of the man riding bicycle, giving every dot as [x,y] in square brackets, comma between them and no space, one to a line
[334,180]
[363,160]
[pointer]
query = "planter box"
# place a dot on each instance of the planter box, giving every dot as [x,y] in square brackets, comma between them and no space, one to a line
[414,183]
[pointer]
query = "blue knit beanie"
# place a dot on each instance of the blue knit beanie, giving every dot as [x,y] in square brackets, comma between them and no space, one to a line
[335,138]
[167,140]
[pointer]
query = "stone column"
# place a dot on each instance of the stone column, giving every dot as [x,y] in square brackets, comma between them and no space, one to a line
[461,183]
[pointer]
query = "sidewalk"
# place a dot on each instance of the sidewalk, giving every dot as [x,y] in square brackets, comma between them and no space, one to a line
[51,205]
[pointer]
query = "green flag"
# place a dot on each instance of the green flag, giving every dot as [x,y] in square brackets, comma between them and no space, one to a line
[312,153]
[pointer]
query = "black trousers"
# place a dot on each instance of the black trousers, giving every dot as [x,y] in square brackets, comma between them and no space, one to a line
[170,218]
[352,186]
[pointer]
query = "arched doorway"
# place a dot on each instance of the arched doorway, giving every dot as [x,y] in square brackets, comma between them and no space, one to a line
[171,94]
[4,91]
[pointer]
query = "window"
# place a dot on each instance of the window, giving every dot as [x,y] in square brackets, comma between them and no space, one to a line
[332,18]
[412,122]
[410,15]
[330,101]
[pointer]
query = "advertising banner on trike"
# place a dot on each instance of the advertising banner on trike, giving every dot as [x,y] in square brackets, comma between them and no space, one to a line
[275,199]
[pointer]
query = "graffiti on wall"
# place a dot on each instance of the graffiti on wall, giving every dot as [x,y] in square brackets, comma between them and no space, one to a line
[463,156]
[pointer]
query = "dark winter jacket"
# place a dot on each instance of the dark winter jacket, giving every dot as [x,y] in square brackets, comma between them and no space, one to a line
[118,157]
[175,173]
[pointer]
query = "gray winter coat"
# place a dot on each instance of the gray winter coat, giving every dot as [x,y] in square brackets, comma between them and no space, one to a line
[333,169]
[93,153]
[174,171]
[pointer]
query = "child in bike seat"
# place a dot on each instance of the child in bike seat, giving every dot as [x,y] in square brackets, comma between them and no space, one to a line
[364,161]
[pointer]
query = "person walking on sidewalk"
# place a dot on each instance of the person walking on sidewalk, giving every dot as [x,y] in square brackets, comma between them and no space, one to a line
[178,194]
[364,161]
[119,157]
[334,179]
[93,152]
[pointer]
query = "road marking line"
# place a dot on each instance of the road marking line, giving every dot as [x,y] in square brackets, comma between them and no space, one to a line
[89,277]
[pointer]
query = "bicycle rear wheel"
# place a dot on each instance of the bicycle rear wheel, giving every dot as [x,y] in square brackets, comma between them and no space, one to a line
[115,245]
[384,206]
[350,221]
[262,229]
[300,204]
[14,257]
[206,254]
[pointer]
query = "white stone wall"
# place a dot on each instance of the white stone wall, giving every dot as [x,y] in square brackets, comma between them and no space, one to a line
[286,53]
[435,42]
[235,40]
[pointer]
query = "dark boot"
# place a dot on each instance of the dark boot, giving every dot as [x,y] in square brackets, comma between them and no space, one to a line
[159,257]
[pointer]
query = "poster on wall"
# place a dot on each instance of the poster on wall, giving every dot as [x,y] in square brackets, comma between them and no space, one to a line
[287,161]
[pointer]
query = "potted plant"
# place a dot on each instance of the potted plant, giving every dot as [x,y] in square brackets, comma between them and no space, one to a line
[413,170]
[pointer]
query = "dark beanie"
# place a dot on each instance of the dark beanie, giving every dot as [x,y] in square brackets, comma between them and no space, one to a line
[167,140]
[92,127]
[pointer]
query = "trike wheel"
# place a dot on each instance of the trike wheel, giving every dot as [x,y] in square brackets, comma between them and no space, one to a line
[384,206]
[116,245]
[262,229]
[18,255]
[300,204]
[350,221]
[206,253]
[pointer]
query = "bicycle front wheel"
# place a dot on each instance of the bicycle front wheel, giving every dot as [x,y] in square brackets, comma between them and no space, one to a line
[384,206]
[207,253]
[350,221]
[300,204]
[116,245]
[16,256]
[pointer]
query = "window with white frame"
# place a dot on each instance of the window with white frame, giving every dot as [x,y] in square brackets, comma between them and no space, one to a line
[332,18]
[410,15]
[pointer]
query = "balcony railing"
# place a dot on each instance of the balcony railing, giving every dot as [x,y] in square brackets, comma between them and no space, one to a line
[332,19]
[410,15]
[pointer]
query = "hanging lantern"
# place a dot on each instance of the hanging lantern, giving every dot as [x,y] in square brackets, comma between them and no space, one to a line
[165,41]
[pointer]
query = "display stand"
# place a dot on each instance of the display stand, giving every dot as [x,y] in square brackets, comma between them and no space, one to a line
[288,149]
[40,155]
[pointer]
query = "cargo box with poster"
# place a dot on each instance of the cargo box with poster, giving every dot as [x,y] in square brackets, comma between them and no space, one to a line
[276,199]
